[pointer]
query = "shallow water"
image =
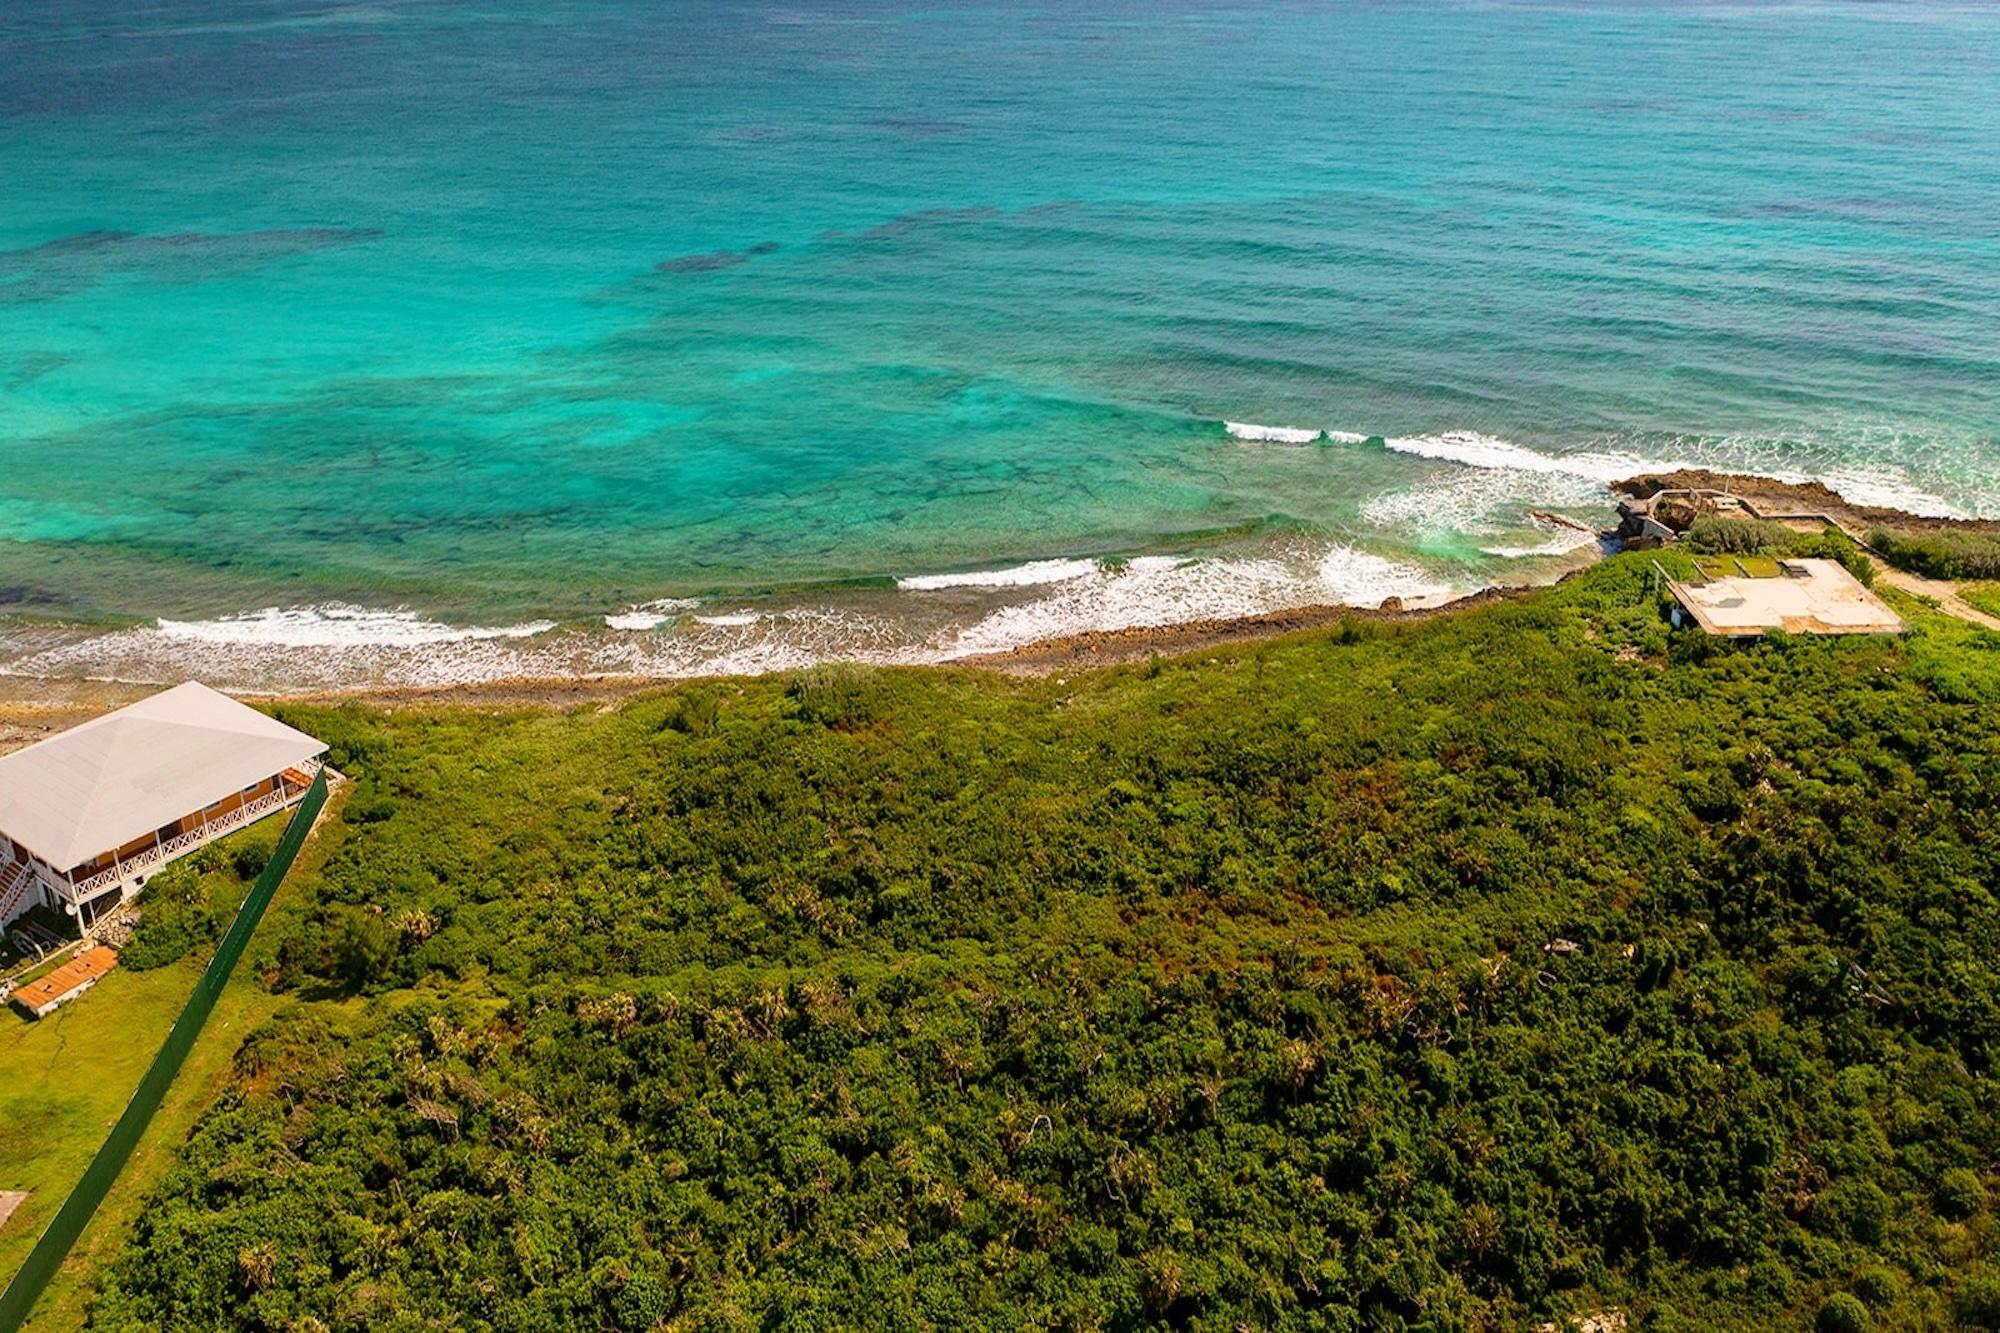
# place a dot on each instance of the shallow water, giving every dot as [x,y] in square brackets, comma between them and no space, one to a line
[405,341]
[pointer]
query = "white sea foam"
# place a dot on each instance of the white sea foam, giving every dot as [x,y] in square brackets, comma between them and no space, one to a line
[746,643]
[333,647]
[1346,437]
[1563,541]
[1868,484]
[1468,500]
[338,625]
[1888,488]
[650,615]
[1472,449]
[1360,578]
[1166,590]
[306,648]
[1018,576]
[1250,430]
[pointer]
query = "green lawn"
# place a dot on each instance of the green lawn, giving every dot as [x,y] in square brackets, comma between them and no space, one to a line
[1758,566]
[65,1079]
[244,1005]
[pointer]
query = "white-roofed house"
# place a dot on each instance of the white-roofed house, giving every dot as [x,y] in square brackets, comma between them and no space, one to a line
[88,815]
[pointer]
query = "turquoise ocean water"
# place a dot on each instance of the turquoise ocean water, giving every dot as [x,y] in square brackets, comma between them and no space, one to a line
[414,340]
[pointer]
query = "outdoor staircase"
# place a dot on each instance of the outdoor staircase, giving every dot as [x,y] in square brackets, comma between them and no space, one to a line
[17,888]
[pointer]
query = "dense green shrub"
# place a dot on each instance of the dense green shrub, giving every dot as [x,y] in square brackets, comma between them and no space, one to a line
[840,695]
[1463,974]
[1978,1297]
[1833,544]
[249,855]
[158,941]
[1843,1313]
[1943,554]
[1877,1286]
[175,916]
[364,948]
[1960,1194]
[1715,534]
[693,713]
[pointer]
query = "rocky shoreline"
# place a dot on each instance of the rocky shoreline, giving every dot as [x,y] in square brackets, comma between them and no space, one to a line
[30,708]
[1800,497]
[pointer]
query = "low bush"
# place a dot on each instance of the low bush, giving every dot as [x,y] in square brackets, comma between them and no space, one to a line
[249,857]
[173,915]
[1960,1194]
[1947,554]
[1843,1313]
[840,696]
[1713,534]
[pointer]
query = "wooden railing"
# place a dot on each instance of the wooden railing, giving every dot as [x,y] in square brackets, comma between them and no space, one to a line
[16,881]
[161,853]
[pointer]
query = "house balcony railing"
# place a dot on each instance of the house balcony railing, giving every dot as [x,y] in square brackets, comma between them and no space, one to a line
[180,844]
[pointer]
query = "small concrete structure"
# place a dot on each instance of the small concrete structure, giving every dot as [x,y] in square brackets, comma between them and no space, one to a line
[43,995]
[1808,597]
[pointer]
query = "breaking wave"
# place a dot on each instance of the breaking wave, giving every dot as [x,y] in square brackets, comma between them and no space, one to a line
[1471,449]
[1165,590]
[650,615]
[1887,488]
[1018,576]
[338,625]
[1883,485]
[1564,541]
[1250,430]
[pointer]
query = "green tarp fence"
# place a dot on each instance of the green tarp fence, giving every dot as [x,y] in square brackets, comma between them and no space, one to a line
[98,1177]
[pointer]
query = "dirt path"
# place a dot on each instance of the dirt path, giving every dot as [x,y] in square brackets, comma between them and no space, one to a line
[1944,594]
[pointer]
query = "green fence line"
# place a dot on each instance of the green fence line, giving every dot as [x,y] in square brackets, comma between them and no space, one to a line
[98,1177]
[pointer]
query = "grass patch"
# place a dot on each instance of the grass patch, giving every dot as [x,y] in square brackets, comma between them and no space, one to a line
[1944,554]
[1983,596]
[65,1079]
[1739,566]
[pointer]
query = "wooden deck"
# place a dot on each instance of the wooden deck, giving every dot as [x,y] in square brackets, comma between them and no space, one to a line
[65,983]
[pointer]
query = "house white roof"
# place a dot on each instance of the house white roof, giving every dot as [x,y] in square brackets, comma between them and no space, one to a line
[121,776]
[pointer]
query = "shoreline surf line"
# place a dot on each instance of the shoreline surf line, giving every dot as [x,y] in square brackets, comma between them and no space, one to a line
[1107,641]
[33,706]
[1884,486]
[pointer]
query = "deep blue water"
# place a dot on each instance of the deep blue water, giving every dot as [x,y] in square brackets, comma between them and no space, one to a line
[509,312]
